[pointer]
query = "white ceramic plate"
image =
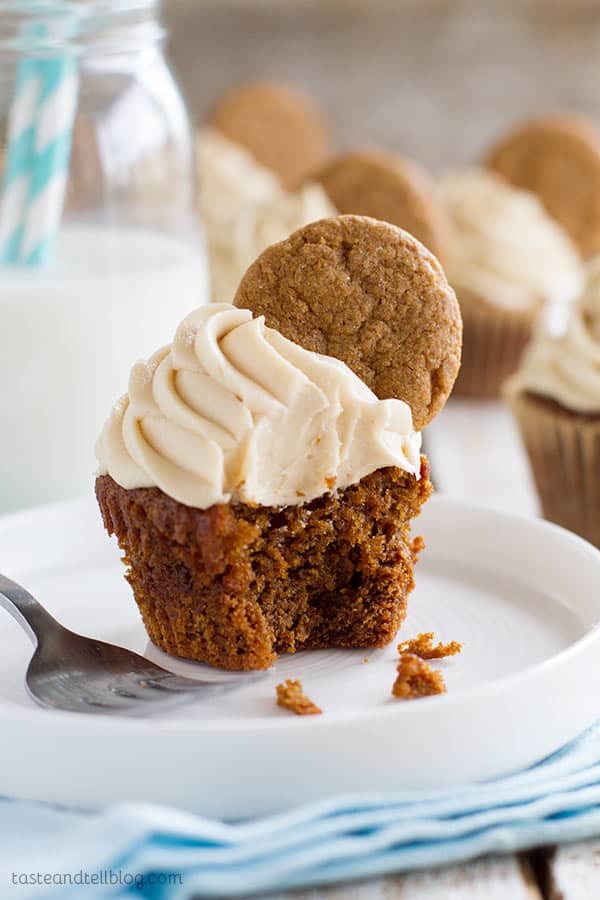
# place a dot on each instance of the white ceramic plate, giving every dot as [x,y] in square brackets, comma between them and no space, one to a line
[522,595]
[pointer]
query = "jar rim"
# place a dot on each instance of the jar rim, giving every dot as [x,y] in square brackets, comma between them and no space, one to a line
[79,8]
[73,25]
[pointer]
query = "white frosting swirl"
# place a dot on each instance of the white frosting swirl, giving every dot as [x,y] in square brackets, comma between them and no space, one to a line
[245,209]
[233,410]
[567,368]
[506,251]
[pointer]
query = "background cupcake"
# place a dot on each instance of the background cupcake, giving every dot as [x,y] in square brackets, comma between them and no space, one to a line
[383,185]
[557,157]
[245,209]
[278,124]
[507,261]
[556,399]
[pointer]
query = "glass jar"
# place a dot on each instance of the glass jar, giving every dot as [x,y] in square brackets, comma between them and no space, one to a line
[129,261]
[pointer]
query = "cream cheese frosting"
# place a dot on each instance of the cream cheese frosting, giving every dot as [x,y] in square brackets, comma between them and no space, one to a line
[245,209]
[567,368]
[506,251]
[232,410]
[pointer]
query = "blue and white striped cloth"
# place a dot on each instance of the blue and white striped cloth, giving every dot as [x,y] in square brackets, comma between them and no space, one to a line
[152,852]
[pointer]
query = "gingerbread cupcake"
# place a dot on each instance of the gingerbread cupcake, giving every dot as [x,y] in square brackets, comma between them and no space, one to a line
[258,144]
[261,492]
[244,209]
[386,186]
[278,125]
[555,397]
[508,261]
[557,157]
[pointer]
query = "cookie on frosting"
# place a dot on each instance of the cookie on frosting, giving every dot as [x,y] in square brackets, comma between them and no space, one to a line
[278,124]
[386,187]
[369,294]
[558,158]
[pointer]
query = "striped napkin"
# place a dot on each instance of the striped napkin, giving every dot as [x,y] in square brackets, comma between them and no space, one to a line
[154,852]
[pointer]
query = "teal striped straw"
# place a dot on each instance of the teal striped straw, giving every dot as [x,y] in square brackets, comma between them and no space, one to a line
[40,132]
[19,161]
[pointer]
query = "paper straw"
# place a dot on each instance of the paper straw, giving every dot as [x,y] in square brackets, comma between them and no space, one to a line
[39,142]
[19,160]
[54,132]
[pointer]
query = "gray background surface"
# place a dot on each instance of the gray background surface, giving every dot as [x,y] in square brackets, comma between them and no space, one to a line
[435,79]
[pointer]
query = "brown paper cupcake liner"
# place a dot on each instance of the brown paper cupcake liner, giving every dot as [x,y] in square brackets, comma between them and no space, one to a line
[564,453]
[493,344]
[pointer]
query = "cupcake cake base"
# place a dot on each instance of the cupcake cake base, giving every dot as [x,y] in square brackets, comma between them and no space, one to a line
[564,453]
[494,342]
[235,585]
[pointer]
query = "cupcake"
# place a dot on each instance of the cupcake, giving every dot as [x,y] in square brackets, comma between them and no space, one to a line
[244,209]
[252,527]
[508,261]
[373,182]
[262,494]
[278,124]
[555,397]
[557,158]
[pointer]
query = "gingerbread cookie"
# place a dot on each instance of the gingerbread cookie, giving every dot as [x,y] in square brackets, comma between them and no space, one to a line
[387,187]
[280,127]
[369,294]
[558,158]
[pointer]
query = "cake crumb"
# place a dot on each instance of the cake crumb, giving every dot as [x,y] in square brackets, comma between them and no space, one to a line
[366,659]
[330,481]
[422,646]
[416,679]
[291,696]
[417,545]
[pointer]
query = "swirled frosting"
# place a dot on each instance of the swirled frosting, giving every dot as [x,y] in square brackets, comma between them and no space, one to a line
[234,411]
[245,209]
[567,368]
[506,251]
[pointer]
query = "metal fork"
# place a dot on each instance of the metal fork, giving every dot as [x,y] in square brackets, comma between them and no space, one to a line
[79,674]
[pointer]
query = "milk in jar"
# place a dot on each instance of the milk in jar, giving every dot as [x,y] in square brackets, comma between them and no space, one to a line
[68,339]
[125,259]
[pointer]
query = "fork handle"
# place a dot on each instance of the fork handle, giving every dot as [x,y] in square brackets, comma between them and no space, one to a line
[30,614]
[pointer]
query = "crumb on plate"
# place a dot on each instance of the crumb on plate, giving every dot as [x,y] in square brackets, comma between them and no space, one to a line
[416,679]
[422,646]
[417,546]
[291,696]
